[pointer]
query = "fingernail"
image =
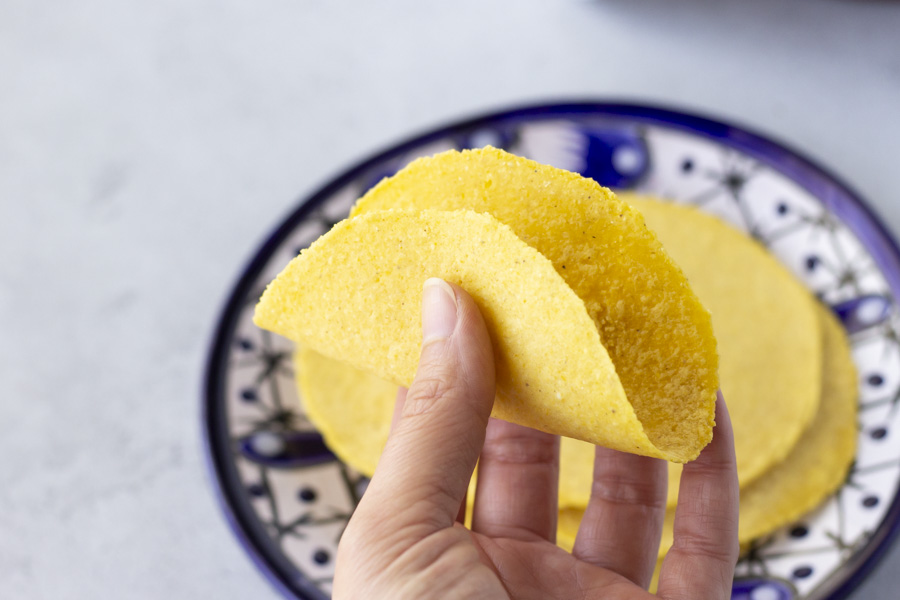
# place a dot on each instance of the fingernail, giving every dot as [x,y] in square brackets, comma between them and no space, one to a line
[438,310]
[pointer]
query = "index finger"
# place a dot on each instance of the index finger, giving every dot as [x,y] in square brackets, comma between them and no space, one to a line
[701,562]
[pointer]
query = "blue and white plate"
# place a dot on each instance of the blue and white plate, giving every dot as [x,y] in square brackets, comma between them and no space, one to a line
[288,498]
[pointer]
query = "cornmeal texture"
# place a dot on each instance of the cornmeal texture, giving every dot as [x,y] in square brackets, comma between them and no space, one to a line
[355,295]
[767,327]
[353,410]
[657,333]
[815,468]
[768,337]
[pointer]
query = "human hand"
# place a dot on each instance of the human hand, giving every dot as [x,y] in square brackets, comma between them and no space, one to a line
[406,540]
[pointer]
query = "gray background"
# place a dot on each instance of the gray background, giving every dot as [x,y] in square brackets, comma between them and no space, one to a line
[147,148]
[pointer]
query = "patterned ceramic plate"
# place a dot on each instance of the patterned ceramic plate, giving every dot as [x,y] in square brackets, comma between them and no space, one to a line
[288,498]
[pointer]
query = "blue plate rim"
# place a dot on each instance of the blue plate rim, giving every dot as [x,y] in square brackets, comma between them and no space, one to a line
[808,173]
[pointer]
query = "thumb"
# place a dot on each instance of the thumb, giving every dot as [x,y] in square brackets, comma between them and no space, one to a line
[432,450]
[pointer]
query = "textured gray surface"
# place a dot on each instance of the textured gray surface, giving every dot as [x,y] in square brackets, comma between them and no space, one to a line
[146,148]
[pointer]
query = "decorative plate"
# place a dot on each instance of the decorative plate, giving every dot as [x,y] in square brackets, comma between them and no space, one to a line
[288,498]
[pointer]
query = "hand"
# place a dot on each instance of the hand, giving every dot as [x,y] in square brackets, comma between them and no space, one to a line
[406,540]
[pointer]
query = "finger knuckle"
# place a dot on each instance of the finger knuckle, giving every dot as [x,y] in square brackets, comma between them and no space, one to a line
[427,391]
[520,450]
[711,465]
[709,544]
[625,490]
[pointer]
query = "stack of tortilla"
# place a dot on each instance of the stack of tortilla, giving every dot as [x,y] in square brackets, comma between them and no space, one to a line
[614,320]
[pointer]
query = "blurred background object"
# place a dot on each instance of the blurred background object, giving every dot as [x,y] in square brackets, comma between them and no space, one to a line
[147,148]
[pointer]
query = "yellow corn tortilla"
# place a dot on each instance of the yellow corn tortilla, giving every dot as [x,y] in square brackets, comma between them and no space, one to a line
[356,436]
[350,408]
[767,328]
[815,468]
[355,295]
[819,462]
[796,343]
[657,333]
[769,341]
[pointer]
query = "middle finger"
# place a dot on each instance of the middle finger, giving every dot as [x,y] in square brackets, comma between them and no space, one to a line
[623,520]
[518,477]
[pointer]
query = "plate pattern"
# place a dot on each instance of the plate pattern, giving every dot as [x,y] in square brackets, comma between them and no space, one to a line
[289,497]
